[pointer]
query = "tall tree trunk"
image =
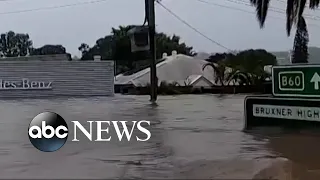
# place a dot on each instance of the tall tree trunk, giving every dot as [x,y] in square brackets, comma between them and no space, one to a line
[301,40]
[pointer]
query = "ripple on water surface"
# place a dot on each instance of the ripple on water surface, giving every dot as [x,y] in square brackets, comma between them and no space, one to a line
[186,130]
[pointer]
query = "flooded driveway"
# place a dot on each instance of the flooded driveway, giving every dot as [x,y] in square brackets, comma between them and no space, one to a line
[192,135]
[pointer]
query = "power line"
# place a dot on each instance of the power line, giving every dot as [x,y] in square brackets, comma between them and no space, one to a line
[285,2]
[186,23]
[282,1]
[250,12]
[52,7]
[5,0]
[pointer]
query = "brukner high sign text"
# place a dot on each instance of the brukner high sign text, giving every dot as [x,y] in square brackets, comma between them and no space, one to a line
[24,84]
[286,112]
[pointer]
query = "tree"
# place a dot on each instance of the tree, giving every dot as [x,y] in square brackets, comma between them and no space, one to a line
[14,45]
[219,70]
[18,44]
[257,76]
[300,49]
[245,67]
[250,59]
[249,65]
[294,13]
[219,56]
[121,49]
[116,46]
[49,50]
[103,47]
[84,48]
[239,76]
[166,44]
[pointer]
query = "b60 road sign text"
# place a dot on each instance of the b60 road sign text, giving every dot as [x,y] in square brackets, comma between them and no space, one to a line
[291,81]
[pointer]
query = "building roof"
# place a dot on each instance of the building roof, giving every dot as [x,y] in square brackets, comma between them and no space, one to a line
[54,57]
[194,79]
[176,68]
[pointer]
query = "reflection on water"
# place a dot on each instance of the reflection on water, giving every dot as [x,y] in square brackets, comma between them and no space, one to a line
[188,133]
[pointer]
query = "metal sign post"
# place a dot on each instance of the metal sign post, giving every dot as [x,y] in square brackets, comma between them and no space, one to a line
[153,68]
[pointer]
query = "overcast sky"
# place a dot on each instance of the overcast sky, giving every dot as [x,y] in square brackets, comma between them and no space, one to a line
[70,26]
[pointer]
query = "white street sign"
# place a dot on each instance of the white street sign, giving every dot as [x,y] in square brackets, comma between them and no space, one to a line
[286,112]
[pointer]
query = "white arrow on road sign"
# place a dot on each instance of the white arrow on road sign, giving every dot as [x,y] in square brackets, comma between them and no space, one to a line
[315,79]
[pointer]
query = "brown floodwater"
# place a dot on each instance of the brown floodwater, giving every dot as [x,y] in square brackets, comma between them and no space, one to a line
[194,136]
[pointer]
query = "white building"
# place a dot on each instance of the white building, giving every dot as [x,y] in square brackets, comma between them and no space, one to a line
[179,68]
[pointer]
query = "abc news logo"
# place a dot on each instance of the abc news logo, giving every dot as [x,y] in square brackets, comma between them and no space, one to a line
[48,131]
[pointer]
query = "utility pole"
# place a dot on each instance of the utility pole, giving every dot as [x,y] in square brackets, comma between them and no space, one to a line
[153,68]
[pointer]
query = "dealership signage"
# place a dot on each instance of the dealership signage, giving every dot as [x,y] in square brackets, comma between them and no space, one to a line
[24,84]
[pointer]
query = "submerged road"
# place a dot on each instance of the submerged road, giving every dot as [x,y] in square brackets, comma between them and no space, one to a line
[194,136]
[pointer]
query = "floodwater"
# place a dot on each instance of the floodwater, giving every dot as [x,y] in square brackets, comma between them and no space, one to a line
[193,136]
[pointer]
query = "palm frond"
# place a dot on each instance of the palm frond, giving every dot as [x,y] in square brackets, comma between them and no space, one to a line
[290,8]
[239,76]
[261,9]
[294,11]
[314,4]
[300,6]
[219,71]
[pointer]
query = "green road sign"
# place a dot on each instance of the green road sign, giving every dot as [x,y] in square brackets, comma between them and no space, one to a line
[296,80]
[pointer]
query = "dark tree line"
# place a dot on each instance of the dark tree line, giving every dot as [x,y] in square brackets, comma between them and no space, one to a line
[116,46]
[247,67]
[18,44]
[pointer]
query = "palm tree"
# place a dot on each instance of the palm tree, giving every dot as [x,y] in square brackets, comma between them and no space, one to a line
[219,69]
[253,74]
[294,13]
[239,76]
[300,48]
